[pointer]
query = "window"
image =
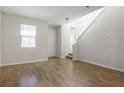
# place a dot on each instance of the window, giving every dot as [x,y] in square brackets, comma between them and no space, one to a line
[28,34]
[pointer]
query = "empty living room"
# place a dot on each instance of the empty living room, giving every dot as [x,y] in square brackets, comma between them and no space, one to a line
[62,46]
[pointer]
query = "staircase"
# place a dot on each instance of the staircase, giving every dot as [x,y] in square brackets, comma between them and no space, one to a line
[78,31]
[76,45]
[69,56]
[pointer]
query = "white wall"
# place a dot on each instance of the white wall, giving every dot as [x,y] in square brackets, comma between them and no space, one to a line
[52,41]
[12,53]
[0,38]
[59,42]
[103,43]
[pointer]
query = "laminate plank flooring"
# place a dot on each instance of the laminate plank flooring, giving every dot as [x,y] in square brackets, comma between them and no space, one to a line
[59,73]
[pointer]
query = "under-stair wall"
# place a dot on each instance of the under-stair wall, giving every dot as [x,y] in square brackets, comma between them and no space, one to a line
[103,42]
[0,38]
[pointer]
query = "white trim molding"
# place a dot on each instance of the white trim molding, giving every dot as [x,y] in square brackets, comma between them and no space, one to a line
[102,65]
[25,62]
[75,59]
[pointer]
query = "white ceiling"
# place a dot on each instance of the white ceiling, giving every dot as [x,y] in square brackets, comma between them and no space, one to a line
[55,15]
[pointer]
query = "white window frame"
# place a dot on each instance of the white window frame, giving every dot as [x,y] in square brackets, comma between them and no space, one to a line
[27,36]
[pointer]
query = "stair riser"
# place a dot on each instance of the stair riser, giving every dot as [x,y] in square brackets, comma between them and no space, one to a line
[70,54]
[69,57]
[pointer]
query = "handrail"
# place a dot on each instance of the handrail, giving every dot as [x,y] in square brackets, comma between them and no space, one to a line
[90,25]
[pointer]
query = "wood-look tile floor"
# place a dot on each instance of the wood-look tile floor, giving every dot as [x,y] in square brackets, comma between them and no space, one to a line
[59,73]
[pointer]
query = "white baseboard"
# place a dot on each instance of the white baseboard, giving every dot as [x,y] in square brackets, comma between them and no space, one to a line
[60,56]
[102,65]
[17,63]
[75,59]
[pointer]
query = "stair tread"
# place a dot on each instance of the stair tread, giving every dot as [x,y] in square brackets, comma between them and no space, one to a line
[69,55]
